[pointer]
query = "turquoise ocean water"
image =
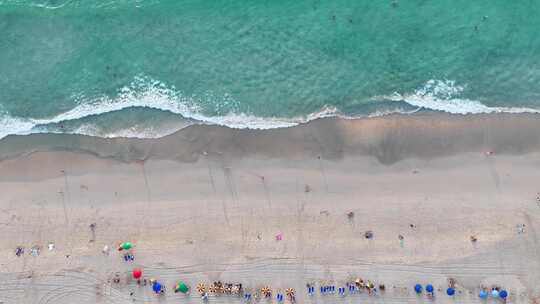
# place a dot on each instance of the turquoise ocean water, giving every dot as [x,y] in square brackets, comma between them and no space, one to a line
[148,68]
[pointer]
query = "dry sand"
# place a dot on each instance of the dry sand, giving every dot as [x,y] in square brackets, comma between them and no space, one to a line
[206,203]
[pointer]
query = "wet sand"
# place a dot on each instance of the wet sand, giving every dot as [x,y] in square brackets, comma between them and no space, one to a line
[206,203]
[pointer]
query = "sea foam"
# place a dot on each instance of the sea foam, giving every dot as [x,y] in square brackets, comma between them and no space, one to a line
[443,95]
[147,93]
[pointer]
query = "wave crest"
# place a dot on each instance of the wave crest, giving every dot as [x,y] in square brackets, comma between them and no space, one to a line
[147,93]
[93,116]
[443,95]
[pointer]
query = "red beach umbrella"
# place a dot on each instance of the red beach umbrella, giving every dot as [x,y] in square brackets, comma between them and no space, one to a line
[137,273]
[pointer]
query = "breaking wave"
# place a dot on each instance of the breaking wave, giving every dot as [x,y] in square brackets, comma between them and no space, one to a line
[168,111]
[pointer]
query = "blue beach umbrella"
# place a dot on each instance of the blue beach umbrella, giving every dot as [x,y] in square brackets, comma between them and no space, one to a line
[156,287]
[429,288]
[483,294]
[495,293]
[503,294]
[418,288]
[450,291]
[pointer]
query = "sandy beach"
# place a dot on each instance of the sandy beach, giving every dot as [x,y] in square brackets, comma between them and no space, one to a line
[207,202]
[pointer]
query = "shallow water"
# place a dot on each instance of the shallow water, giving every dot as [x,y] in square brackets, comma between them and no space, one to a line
[82,67]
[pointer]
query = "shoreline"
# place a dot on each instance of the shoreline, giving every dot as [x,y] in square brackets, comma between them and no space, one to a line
[389,139]
[207,202]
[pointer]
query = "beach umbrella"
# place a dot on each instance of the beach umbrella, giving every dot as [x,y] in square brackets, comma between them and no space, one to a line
[495,293]
[429,288]
[418,288]
[266,291]
[221,288]
[137,273]
[450,291]
[483,294]
[289,292]
[235,289]
[503,294]
[125,246]
[201,288]
[156,287]
[181,287]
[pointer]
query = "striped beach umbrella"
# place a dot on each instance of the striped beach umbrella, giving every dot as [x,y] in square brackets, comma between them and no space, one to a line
[221,288]
[201,288]
[266,292]
[236,289]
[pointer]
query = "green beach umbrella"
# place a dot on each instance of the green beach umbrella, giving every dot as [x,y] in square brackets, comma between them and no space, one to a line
[126,246]
[181,287]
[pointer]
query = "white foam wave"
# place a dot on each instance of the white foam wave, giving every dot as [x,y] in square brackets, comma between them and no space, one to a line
[36,4]
[147,93]
[443,95]
[12,125]
[129,132]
